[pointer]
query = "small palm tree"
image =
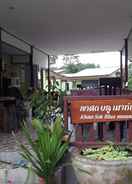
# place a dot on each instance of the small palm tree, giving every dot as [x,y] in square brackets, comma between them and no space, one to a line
[47,150]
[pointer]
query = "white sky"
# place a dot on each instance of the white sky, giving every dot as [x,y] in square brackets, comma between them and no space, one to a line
[105,59]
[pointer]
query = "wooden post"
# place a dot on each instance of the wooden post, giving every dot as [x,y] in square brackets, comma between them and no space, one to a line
[1,85]
[117,132]
[49,82]
[79,134]
[126,60]
[129,134]
[121,68]
[91,133]
[65,112]
[42,78]
[100,131]
[31,67]
[105,128]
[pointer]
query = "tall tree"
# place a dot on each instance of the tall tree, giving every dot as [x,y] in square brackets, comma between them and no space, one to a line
[72,64]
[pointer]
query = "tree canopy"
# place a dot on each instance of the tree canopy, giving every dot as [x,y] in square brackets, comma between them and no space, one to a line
[72,64]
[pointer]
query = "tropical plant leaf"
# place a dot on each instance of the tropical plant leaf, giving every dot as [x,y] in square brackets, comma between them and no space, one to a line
[46,151]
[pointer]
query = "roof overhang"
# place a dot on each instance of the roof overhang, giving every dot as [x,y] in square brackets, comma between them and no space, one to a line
[69,26]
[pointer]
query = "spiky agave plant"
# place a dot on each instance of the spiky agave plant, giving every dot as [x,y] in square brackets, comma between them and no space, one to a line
[47,150]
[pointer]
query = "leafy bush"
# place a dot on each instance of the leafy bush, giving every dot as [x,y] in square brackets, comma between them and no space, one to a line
[41,105]
[45,104]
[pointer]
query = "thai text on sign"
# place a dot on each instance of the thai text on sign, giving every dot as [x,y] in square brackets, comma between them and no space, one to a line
[101,109]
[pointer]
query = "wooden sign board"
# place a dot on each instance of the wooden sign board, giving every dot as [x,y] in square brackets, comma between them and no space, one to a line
[100,109]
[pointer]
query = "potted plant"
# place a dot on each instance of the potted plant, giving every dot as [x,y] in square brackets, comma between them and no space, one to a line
[46,150]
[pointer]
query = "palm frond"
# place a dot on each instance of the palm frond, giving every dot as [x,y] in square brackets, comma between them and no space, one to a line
[46,151]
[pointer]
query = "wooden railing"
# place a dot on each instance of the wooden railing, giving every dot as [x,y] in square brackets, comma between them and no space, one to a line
[85,92]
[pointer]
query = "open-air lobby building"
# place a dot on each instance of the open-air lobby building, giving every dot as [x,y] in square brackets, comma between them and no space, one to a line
[96,103]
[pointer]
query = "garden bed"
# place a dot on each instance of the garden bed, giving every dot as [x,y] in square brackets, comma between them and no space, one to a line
[97,171]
